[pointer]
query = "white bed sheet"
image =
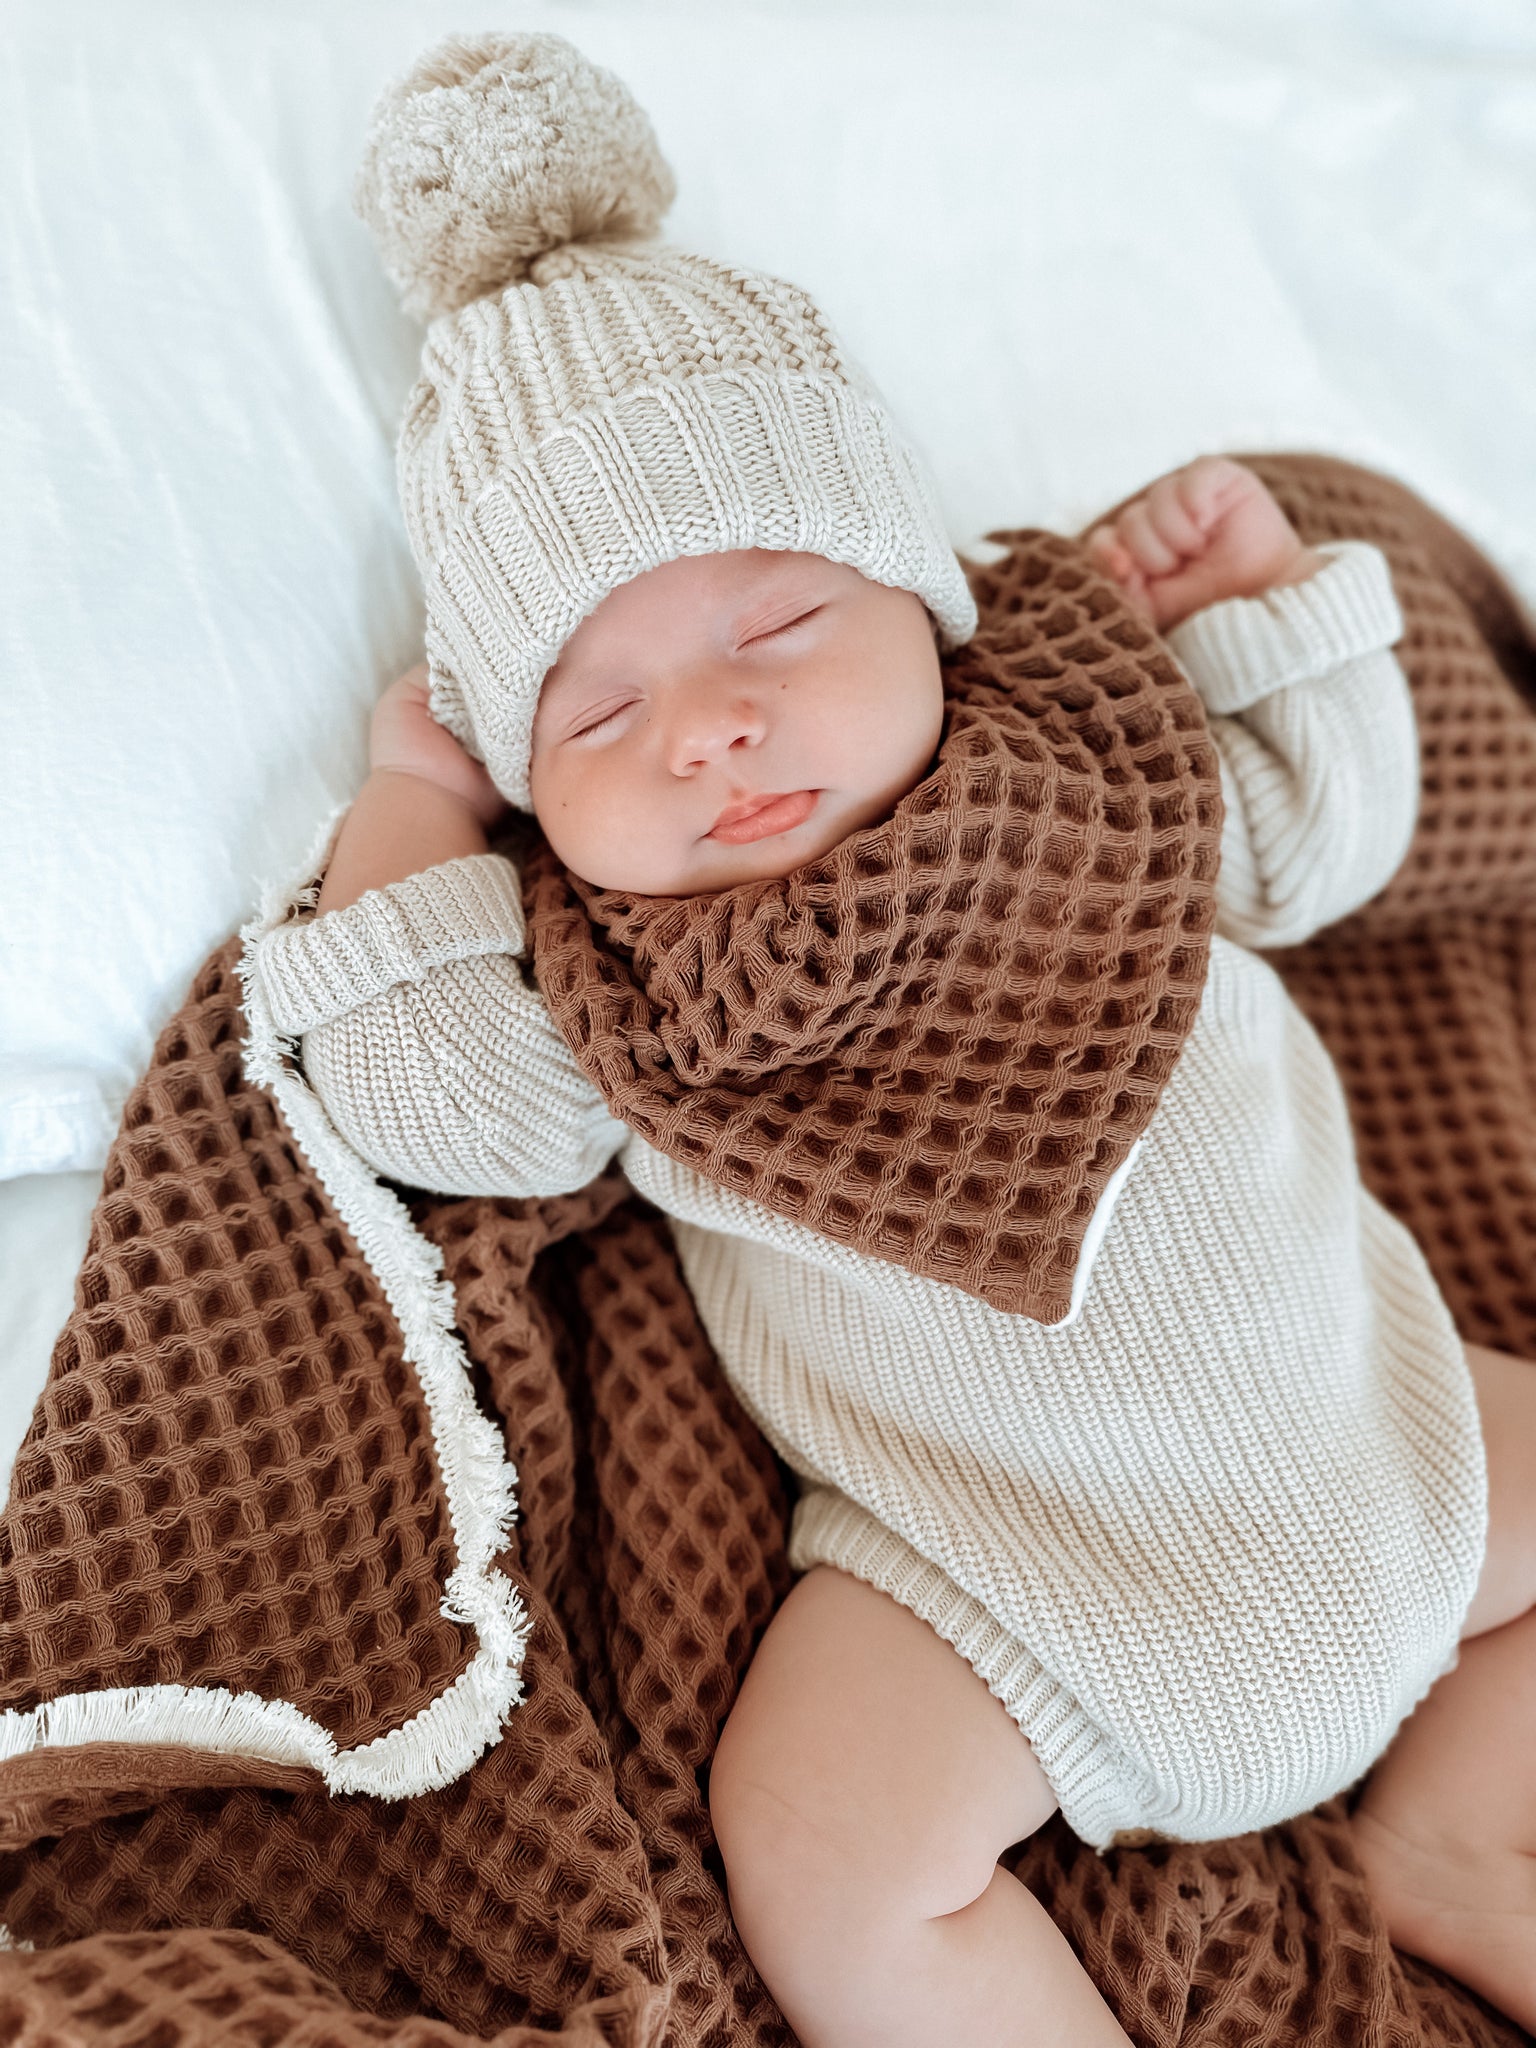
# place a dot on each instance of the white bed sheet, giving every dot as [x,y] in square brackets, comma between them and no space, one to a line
[1075,246]
[44,1222]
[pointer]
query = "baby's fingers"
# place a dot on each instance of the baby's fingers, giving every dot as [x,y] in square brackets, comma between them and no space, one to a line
[1119,564]
[1210,486]
[1171,516]
[1154,555]
[1105,542]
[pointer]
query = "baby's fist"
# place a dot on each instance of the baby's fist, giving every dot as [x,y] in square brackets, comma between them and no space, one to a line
[406,739]
[1200,534]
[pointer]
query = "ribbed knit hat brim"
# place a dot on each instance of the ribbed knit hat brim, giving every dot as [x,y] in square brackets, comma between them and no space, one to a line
[738,459]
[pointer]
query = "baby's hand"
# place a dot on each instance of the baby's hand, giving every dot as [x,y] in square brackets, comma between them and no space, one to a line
[1207,531]
[406,739]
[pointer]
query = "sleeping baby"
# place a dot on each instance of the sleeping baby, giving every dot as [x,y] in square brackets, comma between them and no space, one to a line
[904,954]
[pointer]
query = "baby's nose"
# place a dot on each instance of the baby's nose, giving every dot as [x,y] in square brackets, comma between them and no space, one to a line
[709,725]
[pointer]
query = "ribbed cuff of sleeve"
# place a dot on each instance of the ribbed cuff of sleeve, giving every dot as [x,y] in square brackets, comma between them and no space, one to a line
[313,971]
[1246,648]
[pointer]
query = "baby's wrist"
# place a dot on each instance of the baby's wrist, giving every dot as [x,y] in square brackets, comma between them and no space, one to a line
[415,786]
[460,783]
[1295,567]
[1305,563]
[399,824]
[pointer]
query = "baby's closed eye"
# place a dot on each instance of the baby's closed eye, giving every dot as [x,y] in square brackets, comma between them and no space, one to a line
[596,725]
[789,627]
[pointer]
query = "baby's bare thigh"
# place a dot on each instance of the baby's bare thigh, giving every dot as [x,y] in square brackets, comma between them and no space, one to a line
[865,1760]
[1506,1403]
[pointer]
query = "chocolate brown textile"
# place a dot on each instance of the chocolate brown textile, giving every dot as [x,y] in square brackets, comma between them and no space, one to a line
[936,1043]
[229,1481]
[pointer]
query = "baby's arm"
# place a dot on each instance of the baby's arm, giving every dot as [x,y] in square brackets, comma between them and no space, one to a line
[426,800]
[1311,714]
[433,1054]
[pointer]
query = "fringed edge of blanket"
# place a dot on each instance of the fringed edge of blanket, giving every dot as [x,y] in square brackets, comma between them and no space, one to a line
[448,1736]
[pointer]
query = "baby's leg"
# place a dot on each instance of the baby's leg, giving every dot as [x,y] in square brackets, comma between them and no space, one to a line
[1446,1826]
[864,1787]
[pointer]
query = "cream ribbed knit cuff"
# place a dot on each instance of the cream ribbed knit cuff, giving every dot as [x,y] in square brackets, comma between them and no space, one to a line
[311,972]
[1246,648]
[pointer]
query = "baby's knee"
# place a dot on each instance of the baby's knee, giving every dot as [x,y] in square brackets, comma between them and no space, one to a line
[820,1897]
[812,1910]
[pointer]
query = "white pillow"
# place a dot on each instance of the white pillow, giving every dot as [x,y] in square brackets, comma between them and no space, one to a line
[1074,245]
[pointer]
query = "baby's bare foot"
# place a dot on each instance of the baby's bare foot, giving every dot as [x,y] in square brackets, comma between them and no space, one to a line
[1469,1910]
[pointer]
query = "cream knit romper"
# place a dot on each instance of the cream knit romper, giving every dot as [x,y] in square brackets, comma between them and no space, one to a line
[1212,1537]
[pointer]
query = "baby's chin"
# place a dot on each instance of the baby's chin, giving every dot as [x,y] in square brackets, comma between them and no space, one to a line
[710,876]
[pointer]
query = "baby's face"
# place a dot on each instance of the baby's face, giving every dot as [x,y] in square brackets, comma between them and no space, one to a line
[727,717]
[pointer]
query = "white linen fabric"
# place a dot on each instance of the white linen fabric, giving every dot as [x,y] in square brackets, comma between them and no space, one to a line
[1172,227]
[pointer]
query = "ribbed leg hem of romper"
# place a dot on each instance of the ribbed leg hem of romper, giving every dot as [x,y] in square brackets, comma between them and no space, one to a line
[1088,1773]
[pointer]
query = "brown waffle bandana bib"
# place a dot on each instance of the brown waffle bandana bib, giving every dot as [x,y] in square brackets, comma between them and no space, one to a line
[936,1043]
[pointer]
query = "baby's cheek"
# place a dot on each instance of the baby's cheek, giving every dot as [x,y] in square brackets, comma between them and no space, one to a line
[606,823]
[563,808]
[901,735]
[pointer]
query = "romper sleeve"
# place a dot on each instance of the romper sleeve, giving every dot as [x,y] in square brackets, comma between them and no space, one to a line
[433,1053]
[1314,723]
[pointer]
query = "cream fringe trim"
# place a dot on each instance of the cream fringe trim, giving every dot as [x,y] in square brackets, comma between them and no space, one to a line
[441,1742]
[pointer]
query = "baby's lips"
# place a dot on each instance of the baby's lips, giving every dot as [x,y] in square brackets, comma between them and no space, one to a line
[765,818]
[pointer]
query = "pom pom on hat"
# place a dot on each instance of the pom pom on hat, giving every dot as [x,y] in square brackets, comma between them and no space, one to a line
[492,152]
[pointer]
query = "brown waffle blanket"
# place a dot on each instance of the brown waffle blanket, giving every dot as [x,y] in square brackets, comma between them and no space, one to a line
[230,1483]
[936,1043]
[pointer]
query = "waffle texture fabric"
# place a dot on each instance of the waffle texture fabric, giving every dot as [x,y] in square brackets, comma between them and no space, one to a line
[592,402]
[1213,1535]
[232,1481]
[937,1044]
[236,1492]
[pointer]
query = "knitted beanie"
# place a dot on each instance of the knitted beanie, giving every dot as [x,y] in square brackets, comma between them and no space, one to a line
[593,402]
